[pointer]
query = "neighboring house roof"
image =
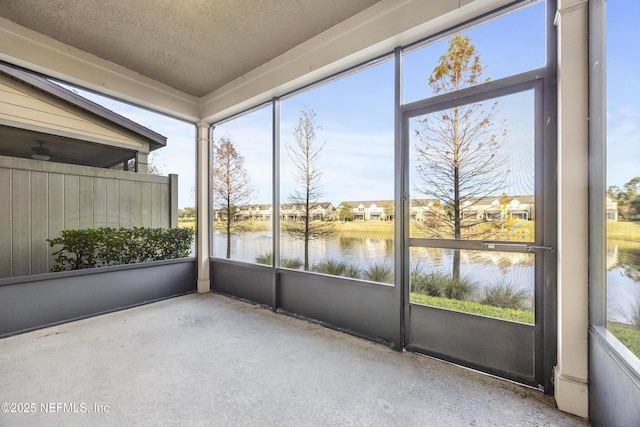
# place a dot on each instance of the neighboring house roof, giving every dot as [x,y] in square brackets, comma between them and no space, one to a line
[34,110]
[255,207]
[367,203]
[324,205]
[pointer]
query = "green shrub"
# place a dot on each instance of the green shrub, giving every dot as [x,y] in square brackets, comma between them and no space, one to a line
[267,259]
[441,285]
[381,271]
[506,296]
[634,315]
[337,268]
[428,284]
[102,247]
[461,288]
[293,263]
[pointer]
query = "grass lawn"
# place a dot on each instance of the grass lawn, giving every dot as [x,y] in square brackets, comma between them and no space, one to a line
[189,223]
[514,230]
[386,227]
[623,230]
[627,334]
[522,316]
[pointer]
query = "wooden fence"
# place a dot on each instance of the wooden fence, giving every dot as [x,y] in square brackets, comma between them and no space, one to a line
[40,199]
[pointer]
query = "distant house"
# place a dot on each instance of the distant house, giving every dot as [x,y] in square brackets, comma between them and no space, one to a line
[253,213]
[498,208]
[296,212]
[43,121]
[424,209]
[370,210]
[611,208]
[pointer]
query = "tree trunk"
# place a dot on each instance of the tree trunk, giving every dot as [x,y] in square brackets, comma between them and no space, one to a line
[228,231]
[457,220]
[455,273]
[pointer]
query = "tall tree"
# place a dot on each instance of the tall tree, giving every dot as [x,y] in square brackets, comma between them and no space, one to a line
[459,159]
[628,197]
[231,184]
[304,153]
[345,212]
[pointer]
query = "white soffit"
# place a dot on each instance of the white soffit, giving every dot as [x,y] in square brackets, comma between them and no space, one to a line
[203,59]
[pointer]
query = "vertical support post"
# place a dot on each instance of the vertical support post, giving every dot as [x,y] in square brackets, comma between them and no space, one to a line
[203,221]
[571,371]
[275,205]
[173,200]
[597,162]
[400,216]
[142,162]
[545,213]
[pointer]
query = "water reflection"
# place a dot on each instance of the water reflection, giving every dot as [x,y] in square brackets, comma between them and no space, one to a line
[623,279]
[364,249]
[483,268]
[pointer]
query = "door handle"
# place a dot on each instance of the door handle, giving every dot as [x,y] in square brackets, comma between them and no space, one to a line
[528,248]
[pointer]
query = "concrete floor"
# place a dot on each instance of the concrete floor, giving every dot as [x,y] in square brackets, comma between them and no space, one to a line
[207,360]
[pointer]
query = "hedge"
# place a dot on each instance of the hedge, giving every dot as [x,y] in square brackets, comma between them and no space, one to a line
[102,247]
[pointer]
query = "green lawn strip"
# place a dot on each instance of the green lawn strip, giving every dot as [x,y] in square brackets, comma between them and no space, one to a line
[623,230]
[522,316]
[189,223]
[627,334]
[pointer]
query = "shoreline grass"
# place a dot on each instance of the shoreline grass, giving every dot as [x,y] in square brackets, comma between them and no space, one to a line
[514,230]
[616,230]
[623,230]
[627,335]
[515,315]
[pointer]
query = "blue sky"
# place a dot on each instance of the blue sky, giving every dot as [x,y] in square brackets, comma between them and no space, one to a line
[623,91]
[356,113]
[177,157]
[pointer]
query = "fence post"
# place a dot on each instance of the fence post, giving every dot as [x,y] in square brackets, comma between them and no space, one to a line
[173,200]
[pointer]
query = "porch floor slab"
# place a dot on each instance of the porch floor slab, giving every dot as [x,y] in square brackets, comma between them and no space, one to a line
[208,360]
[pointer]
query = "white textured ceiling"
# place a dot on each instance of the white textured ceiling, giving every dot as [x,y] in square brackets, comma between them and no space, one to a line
[195,46]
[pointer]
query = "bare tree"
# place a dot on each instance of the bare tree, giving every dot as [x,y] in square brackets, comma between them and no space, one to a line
[231,184]
[304,152]
[459,156]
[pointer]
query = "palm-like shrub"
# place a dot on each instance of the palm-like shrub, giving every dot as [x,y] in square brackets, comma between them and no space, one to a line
[506,296]
[461,288]
[427,284]
[381,271]
[337,268]
[441,285]
[634,315]
[294,263]
[267,259]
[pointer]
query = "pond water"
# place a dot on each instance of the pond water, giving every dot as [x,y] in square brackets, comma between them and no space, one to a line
[623,279]
[484,268]
[365,249]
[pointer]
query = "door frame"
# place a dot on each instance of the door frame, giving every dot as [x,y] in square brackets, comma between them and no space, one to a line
[544,331]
